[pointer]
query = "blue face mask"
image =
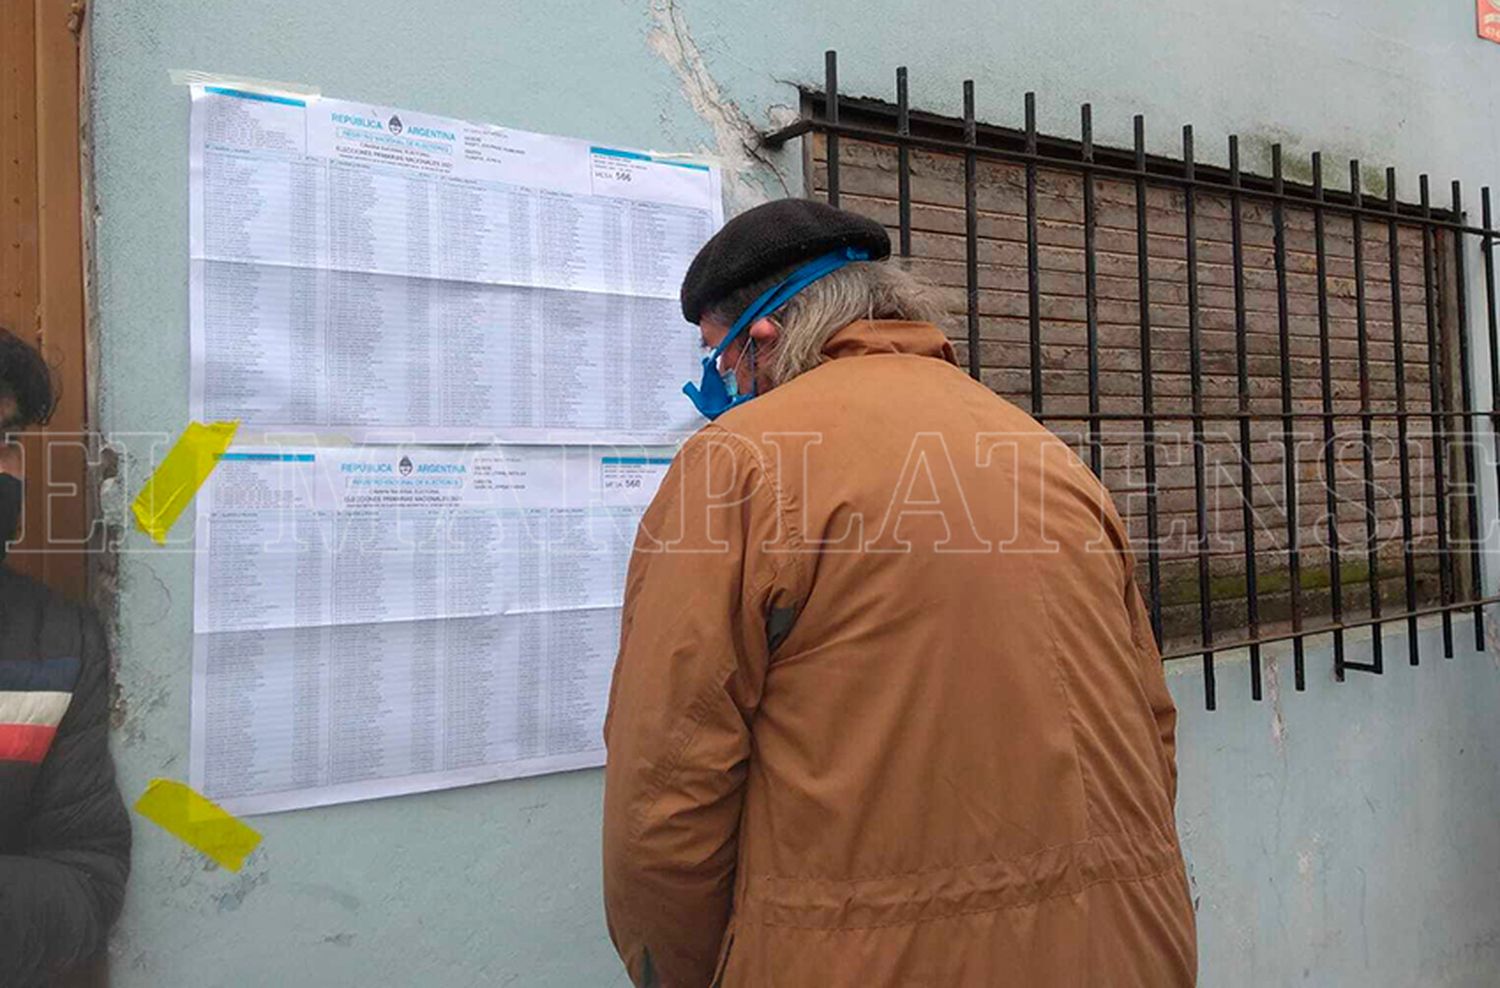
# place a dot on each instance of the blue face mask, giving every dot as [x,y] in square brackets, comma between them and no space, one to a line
[719,392]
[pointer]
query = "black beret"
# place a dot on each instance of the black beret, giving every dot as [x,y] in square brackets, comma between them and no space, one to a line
[770,238]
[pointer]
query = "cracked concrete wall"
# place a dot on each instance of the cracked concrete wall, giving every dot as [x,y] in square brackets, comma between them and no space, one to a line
[752,173]
[1340,837]
[1345,836]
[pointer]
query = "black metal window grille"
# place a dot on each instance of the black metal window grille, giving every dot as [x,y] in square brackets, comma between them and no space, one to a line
[1306,345]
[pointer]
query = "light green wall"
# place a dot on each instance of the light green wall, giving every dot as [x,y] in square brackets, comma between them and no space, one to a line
[1357,846]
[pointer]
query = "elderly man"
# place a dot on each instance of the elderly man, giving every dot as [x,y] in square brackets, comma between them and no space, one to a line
[64,835]
[888,710]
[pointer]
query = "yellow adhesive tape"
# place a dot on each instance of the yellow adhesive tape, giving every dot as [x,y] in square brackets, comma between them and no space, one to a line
[198,822]
[184,469]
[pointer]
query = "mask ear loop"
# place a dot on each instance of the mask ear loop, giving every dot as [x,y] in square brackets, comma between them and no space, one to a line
[778,295]
[747,350]
[771,300]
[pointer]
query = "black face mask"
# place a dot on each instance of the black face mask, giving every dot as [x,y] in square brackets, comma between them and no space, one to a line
[11,496]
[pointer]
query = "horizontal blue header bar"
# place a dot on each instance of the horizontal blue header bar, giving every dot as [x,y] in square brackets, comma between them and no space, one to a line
[273,457]
[637,156]
[616,153]
[247,94]
[637,461]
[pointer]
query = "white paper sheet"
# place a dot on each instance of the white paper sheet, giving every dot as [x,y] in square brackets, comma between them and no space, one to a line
[296,717]
[394,275]
[377,620]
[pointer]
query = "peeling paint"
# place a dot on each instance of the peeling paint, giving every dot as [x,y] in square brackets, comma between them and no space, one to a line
[104,564]
[119,709]
[1273,692]
[136,703]
[154,592]
[750,173]
[233,897]
[327,893]
[1192,878]
[1311,859]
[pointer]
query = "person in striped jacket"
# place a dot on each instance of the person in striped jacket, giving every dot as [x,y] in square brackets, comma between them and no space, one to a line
[64,832]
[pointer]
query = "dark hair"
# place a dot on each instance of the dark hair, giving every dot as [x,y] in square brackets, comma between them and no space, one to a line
[26,380]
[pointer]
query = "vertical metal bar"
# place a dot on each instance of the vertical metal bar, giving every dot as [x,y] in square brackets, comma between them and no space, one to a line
[1288,440]
[1091,291]
[971,225]
[1466,427]
[1033,268]
[831,88]
[1195,359]
[1408,561]
[1439,432]
[1242,369]
[1488,250]
[1366,422]
[1148,402]
[1330,470]
[903,161]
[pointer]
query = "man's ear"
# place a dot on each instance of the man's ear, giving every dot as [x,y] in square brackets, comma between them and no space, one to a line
[765,331]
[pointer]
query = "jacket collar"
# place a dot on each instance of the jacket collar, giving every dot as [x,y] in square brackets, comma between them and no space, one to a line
[872,336]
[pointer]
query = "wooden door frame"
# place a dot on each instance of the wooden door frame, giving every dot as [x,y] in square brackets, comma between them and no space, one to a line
[42,272]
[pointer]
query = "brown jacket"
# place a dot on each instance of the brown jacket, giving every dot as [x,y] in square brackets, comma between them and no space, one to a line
[888,711]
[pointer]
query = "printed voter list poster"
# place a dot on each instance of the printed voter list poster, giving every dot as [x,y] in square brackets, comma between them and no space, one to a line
[391,275]
[491,317]
[380,620]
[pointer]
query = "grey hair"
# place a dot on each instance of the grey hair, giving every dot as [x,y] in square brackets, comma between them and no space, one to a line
[862,290]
